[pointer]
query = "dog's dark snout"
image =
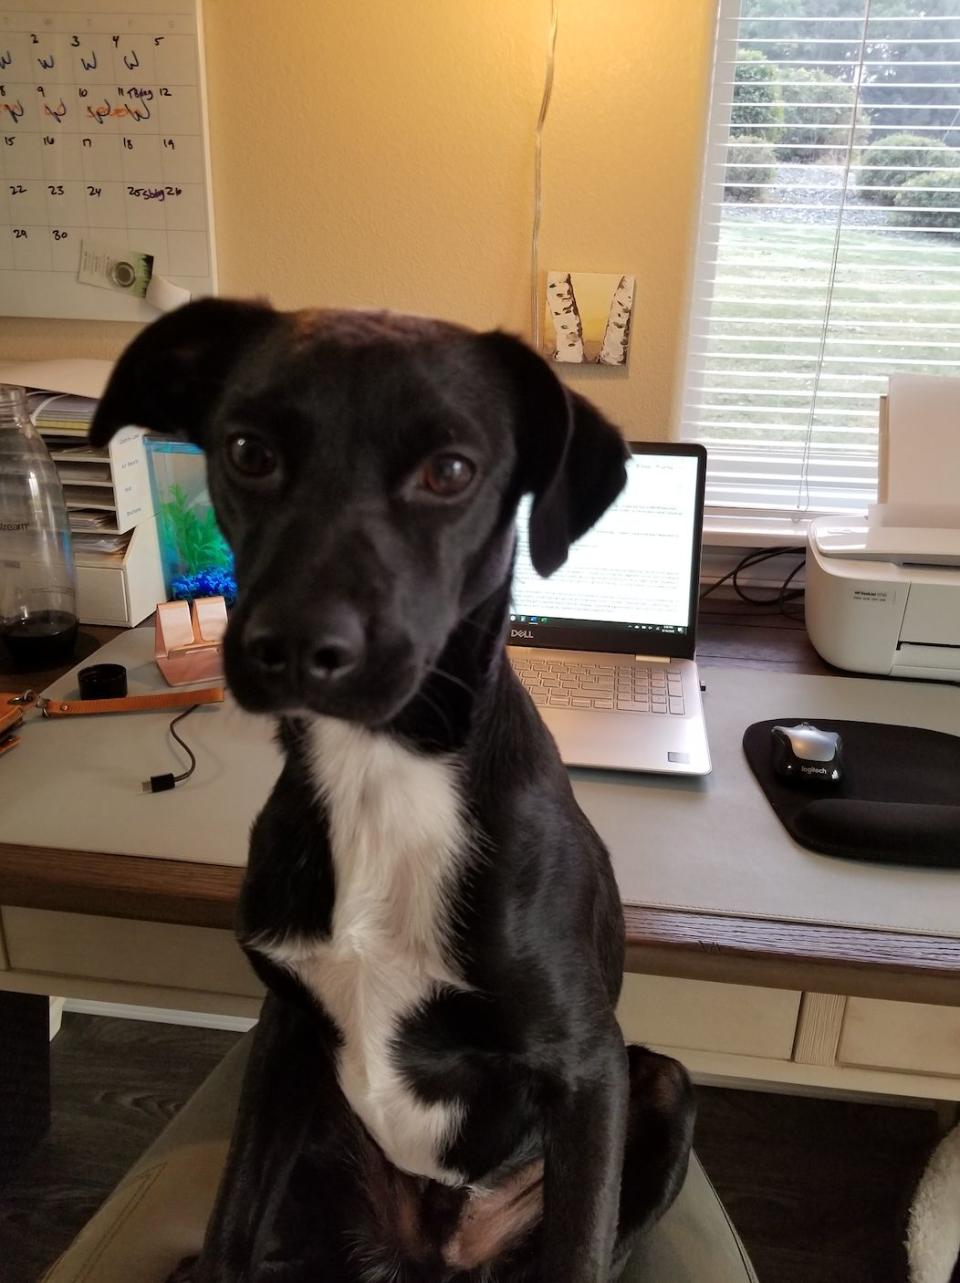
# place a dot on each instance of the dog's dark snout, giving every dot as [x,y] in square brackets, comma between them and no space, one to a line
[310,654]
[268,651]
[334,653]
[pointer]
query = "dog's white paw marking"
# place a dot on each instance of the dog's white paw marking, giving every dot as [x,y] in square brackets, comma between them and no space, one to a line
[399,838]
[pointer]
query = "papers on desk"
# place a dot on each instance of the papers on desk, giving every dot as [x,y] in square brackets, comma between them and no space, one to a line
[89,519]
[89,474]
[84,377]
[104,545]
[89,497]
[60,416]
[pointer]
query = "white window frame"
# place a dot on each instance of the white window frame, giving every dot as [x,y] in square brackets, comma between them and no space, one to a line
[740,522]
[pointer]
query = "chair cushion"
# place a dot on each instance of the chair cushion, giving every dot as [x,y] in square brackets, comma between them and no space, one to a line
[693,1243]
[157,1213]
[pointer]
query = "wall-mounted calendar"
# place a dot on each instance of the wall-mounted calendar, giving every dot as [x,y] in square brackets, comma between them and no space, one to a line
[105,197]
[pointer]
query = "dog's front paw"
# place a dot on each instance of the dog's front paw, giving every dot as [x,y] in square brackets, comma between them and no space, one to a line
[184,1271]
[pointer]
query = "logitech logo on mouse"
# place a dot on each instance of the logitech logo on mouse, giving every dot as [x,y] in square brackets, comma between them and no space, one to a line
[814,770]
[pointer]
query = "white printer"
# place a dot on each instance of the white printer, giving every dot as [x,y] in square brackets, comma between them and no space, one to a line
[885,599]
[883,592]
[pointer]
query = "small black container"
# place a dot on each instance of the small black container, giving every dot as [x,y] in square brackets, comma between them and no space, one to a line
[103,681]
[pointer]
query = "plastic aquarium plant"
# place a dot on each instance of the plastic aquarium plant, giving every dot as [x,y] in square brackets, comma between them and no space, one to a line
[206,562]
[197,561]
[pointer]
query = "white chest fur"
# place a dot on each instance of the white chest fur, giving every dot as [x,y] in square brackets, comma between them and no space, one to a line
[398,838]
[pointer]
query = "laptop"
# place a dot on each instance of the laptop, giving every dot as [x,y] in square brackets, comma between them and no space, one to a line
[606,645]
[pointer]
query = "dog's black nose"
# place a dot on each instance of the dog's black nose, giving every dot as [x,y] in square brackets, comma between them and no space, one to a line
[304,657]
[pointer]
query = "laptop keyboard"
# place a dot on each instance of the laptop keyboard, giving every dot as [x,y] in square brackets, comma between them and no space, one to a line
[626,688]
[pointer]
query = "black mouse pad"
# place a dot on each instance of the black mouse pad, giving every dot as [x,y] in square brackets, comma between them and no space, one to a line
[899,801]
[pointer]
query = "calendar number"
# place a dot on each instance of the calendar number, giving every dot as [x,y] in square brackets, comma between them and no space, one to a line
[58,235]
[20,234]
[55,189]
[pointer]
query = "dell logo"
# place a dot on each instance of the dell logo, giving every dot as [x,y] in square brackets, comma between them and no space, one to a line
[521,632]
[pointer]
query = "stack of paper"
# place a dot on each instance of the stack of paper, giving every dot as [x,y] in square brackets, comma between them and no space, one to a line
[62,395]
[920,454]
[89,497]
[84,519]
[923,451]
[100,545]
[83,377]
[61,415]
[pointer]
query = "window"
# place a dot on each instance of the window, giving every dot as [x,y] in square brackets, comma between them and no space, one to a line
[829,244]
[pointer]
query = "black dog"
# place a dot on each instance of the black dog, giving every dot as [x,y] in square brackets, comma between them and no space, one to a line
[438,1088]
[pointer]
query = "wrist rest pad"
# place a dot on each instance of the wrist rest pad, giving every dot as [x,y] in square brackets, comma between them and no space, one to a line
[898,803]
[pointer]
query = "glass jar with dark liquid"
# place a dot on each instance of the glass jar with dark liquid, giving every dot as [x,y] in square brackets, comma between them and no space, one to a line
[38,611]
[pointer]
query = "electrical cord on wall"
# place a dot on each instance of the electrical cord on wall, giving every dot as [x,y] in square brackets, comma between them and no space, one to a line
[535,317]
[163,783]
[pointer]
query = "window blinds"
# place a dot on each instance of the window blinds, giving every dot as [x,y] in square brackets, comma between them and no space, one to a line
[829,242]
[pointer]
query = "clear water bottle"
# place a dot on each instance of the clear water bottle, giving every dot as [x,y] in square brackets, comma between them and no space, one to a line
[38,598]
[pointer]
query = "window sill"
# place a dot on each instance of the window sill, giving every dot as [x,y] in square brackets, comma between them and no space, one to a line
[753,530]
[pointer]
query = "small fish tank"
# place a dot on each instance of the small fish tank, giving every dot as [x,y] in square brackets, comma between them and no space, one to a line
[197,561]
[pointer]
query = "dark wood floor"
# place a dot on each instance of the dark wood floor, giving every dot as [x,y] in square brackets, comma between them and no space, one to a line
[818,1189]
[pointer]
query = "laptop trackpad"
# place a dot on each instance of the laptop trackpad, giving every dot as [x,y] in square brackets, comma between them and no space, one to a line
[619,741]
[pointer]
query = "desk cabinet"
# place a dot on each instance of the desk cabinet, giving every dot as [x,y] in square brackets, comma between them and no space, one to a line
[908,1036]
[725,1033]
[122,950]
[120,960]
[740,1035]
[688,1015]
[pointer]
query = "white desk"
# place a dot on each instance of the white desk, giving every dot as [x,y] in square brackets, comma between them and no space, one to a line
[711,849]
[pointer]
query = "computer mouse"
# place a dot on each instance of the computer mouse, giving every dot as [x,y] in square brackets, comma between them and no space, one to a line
[807,755]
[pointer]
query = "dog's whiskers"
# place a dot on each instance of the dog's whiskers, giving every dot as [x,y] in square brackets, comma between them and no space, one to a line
[438,709]
[451,677]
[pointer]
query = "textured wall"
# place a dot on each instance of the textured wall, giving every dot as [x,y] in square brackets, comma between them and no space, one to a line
[380,154]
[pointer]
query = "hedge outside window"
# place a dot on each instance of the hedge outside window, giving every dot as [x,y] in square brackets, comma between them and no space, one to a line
[829,246]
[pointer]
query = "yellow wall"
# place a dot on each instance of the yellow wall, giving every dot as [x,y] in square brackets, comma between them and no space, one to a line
[380,154]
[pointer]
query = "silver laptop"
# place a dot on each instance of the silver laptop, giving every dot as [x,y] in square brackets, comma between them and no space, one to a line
[605,646]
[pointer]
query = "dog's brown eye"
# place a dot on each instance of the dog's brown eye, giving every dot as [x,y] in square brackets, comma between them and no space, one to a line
[251,456]
[446,474]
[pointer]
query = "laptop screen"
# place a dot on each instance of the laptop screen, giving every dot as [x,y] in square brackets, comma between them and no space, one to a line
[636,572]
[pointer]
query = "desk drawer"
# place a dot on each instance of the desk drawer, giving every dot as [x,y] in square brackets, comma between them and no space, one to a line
[150,953]
[704,1016]
[911,1037]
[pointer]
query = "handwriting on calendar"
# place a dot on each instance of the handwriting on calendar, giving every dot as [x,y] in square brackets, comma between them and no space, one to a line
[101,141]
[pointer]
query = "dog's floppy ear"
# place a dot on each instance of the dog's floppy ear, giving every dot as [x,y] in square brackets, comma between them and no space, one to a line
[572,460]
[172,373]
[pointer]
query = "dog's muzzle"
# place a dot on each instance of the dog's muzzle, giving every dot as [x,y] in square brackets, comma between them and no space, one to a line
[291,659]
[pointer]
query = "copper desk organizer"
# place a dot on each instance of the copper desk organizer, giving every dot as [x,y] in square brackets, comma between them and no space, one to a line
[189,640]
